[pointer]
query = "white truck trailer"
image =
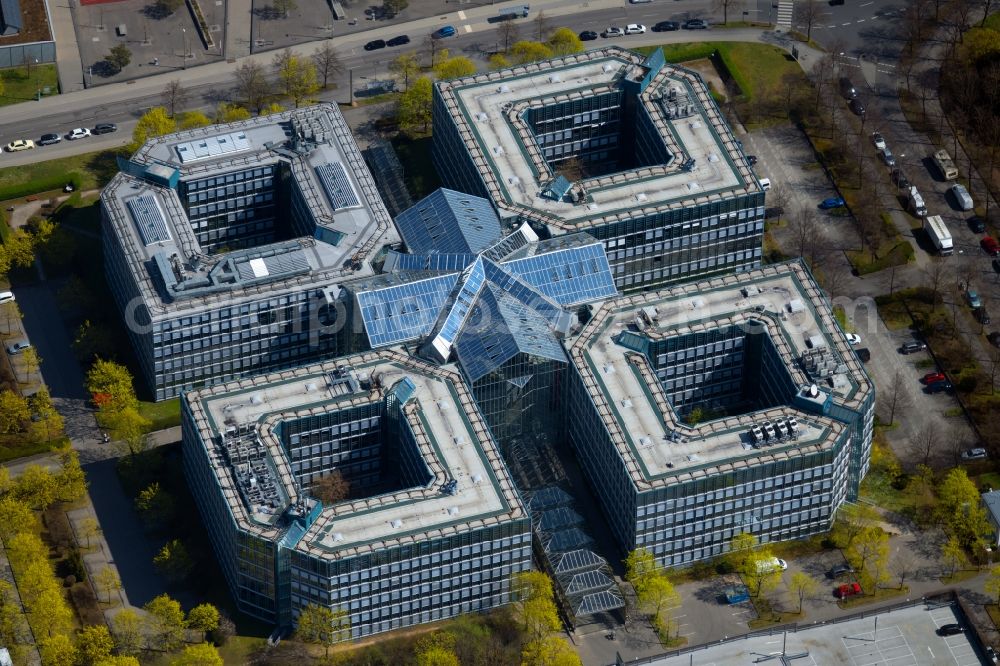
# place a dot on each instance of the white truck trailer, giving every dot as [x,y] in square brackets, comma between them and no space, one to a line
[939,234]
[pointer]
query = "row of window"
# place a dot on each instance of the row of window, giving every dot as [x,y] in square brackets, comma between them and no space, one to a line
[232,177]
[701,519]
[685,268]
[217,193]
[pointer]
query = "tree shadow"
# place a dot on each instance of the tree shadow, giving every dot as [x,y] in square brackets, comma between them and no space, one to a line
[268,13]
[156,11]
[104,69]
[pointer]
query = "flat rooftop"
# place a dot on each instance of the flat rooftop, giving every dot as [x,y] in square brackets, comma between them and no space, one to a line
[488,107]
[657,446]
[451,434]
[173,270]
[905,637]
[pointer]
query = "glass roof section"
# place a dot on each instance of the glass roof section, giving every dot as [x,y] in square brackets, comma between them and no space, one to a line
[449,222]
[569,277]
[404,312]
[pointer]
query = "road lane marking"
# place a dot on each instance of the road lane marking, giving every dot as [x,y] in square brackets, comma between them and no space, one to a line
[468,28]
[461,15]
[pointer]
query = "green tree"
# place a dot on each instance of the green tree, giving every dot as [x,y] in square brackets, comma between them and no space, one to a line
[992,584]
[119,660]
[14,412]
[49,423]
[413,110]
[49,613]
[327,62]
[640,565]
[953,555]
[227,112]
[173,561]
[760,572]
[192,119]
[393,7]
[36,487]
[297,77]
[549,651]
[18,251]
[119,57]
[851,520]
[406,66]
[30,361]
[498,61]
[270,109]
[15,517]
[199,654]
[524,52]
[155,122]
[436,649]
[323,626]
[128,426]
[203,618]
[869,555]
[12,622]
[165,623]
[90,528]
[960,509]
[802,585]
[71,483]
[126,627]
[110,383]
[155,505]
[534,604]
[455,67]
[658,597]
[57,650]
[107,579]
[564,42]
[94,643]
[741,547]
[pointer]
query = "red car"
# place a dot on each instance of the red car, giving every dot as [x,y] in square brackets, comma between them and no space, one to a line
[990,246]
[932,377]
[847,590]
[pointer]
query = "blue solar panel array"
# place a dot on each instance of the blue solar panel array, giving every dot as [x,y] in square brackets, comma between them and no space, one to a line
[148,219]
[398,261]
[571,276]
[337,186]
[404,312]
[449,222]
[450,324]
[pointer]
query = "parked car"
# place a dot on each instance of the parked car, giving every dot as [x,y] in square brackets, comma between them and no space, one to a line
[994,338]
[974,454]
[912,347]
[832,202]
[878,140]
[857,108]
[612,31]
[847,88]
[771,564]
[962,197]
[900,179]
[444,31]
[375,45]
[6,296]
[996,265]
[864,354]
[853,338]
[20,144]
[588,36]
[78,133]
[991,654]
[847,590]
[977,224]
[886,156]
[982,315]
[666,26]
[696,24]
[737,594]
[751,160]
[840,570]
[938,387]
[104,128]
[950,629]
[635,29]
[17,347]
[990,246]
[932,377]
[398,41]
[973,297]
[49,139]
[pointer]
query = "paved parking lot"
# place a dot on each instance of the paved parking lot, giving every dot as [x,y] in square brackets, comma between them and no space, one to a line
[902,638]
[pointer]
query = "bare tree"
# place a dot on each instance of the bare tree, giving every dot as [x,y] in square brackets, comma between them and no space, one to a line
[927,442]
[331,488]
[894,396]
[327,62]
[542,26]
[252,86]
[805,231]
[507,34]
[174,96]
[807,14]
[905,564]
[724,5]
[935,275]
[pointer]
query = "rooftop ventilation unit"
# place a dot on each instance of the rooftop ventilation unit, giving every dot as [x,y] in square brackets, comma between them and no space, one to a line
[396,524]
[256,399]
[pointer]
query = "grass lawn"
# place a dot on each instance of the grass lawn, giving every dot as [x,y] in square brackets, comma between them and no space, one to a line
[95,170]
[892,253]
[959,576]
[881,594]
[991,479]
[19,86]
[165,414]
[994,612]
[768,616]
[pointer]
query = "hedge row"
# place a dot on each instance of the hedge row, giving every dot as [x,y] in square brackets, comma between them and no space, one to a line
[54,182]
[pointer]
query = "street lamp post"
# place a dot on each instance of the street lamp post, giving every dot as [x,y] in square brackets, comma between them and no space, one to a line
[184,55]
[38,86]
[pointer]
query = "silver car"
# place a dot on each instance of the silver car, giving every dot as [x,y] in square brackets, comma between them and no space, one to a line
[17,347]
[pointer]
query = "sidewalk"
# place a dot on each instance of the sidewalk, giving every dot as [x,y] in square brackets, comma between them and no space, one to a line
[68,64]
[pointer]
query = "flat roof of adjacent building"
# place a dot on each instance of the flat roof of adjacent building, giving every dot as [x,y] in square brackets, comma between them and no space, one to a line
[657,447]
[487,108]
[450,431]
[175,274]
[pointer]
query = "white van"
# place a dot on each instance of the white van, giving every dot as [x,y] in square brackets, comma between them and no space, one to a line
[962,197]
[765,184]
[6,296]
[771,565]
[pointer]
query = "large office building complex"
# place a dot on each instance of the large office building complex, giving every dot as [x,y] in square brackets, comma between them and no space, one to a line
[433,526]
[731,405]
[225,246]
[626,148]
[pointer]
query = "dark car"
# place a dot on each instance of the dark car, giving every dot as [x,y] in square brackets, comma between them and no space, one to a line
[864,354]
[375,45]
[900,179]
[840,570]
[104,128]
[950,630]
[977,224]
[588,36]
[938,387]
[398,41]
[831,202]
[994,338]
[751,160]
[996,265]
[666,26]
[857,108]
[912,347]
[49,139]
[696,24]
[981,314]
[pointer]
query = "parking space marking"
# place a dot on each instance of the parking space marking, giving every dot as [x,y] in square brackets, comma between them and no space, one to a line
[890,647]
